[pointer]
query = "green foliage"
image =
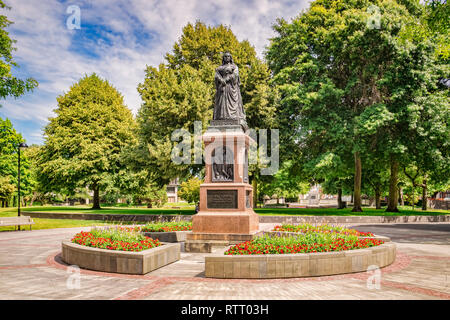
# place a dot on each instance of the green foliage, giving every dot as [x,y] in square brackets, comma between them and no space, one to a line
[6,188]
[286,183]
[310,242]
[10,85]
[167,226]
[9,142]
[153,195]
[190,190]
[117,234]
[181,91]
[84,141]
[348,88]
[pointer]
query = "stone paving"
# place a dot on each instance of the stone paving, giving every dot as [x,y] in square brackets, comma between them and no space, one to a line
[31,268]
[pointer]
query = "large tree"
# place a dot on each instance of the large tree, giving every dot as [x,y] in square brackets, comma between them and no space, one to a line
[10,85]
[83,143]
[181,91]
[346,74]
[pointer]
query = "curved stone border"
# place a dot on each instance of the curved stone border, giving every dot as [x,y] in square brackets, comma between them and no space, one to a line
[172,236]
[119,261]
[267,266]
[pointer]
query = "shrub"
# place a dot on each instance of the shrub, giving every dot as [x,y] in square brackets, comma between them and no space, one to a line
[324,228]
[304,243]
[167,226]
[123,239]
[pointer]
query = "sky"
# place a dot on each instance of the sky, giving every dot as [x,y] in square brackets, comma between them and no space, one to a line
[117,39]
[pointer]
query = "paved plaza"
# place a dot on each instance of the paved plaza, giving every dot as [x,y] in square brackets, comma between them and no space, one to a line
[31,268]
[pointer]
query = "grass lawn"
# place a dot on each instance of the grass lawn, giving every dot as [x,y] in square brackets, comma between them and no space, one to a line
[189,210]
[47,223]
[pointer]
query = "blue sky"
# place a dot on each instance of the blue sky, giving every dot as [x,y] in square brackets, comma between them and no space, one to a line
[117,39]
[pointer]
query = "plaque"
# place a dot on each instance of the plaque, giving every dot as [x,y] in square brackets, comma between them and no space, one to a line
[222,199]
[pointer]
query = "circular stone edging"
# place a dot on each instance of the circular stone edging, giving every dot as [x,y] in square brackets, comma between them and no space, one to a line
[116,261]
[296,265]
[170,236]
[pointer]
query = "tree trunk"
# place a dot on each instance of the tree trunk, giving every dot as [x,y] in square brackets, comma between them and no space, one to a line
[393,181]
[424,194]
[96,201]
[339,199]
[378,196]
[357,185]
[255,192]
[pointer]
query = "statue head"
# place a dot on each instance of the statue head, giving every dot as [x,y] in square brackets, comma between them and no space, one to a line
[227,58]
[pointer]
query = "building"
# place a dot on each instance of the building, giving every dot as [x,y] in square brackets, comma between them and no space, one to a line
[172,191]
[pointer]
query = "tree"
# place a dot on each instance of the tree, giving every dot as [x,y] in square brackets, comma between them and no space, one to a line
[190,190]
[153,195]
[10,85]
[438,25]
[83,143]
[181,91]
[286,183]
[6,189]
[344,81]
[9,143]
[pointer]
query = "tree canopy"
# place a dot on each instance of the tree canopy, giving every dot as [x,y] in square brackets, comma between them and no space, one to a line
[350,80]
[10,85]
[83,143]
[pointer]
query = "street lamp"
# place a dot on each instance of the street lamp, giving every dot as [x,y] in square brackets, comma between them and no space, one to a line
[21,147]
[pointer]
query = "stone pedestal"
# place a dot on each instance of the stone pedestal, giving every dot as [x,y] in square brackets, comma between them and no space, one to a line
[226,213]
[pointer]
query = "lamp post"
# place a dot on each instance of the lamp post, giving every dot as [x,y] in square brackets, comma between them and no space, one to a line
[21,146]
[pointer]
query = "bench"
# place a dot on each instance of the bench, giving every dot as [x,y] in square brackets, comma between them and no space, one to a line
[16,221]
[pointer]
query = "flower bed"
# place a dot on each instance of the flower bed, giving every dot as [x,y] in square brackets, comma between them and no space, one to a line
[305,243]
[168,231]
[323,228]
[118,249]
[115,239]
[313,264]
[167,226]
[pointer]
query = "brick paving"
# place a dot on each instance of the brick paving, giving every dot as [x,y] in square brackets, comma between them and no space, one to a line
[31,268]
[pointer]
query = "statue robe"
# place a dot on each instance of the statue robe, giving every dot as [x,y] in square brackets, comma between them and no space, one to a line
[228,100]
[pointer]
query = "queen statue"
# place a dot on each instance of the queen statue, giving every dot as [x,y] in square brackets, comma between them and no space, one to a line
[228,101]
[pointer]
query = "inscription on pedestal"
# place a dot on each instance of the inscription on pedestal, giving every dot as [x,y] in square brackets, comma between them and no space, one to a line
[222,199]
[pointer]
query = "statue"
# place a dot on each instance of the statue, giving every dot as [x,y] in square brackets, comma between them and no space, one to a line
[228,100]
[222,166]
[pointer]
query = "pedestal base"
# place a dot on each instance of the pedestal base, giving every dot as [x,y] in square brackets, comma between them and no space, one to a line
[225,223]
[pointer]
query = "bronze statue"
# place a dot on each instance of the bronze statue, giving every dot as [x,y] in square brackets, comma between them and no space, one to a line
[228,100]
[222,166]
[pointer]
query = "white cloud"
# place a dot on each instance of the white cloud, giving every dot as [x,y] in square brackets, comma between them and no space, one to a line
[47,51]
